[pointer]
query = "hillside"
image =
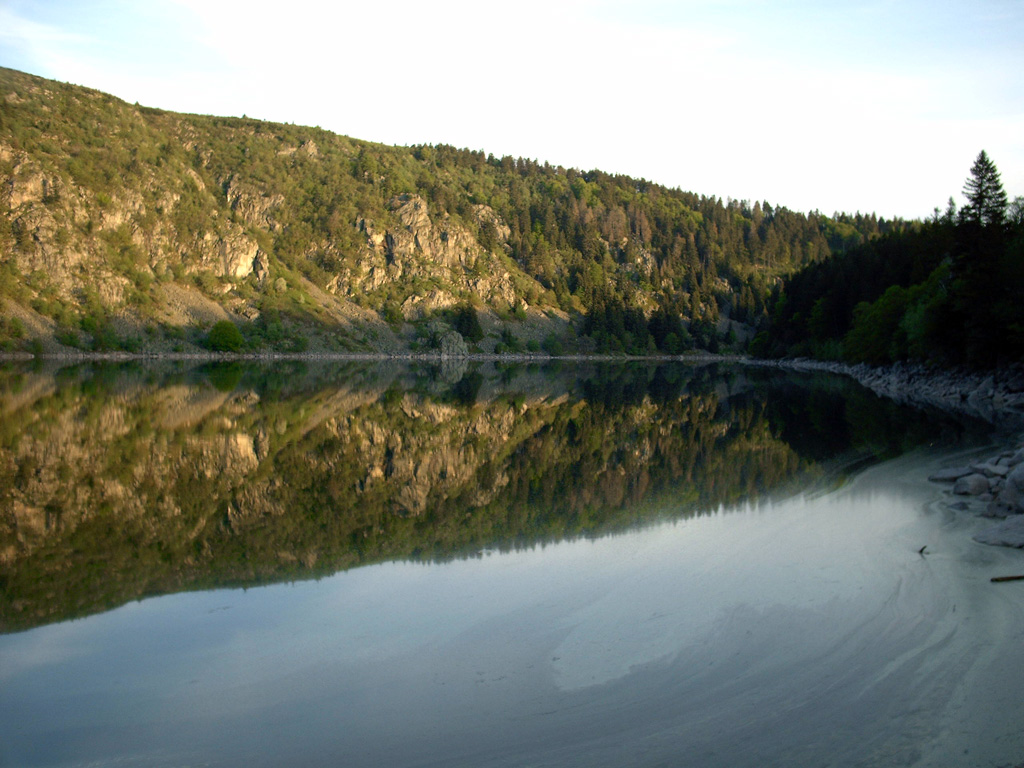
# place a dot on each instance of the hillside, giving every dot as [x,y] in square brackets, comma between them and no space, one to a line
[126,227]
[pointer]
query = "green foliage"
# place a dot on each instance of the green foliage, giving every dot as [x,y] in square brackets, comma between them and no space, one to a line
[12,284]
[552,345]
[393,316]
[946,292]
[224,336]
[876,336]
[68,338]
[12,331]
[510,343]
[617,249]
[464,320]
[208,283]
[986,198]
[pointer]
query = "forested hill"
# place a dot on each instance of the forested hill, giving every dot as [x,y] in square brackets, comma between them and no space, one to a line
[126,227]
[945,292]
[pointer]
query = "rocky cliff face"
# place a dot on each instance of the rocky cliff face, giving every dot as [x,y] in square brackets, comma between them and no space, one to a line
[157,225]
[445,256]
[48,213]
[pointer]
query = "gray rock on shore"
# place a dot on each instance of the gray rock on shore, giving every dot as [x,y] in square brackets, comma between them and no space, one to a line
[950,475]
[972,485]
[1009,533]
[1000,482]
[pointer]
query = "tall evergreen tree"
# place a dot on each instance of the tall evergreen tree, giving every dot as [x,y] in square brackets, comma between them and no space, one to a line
[986,198]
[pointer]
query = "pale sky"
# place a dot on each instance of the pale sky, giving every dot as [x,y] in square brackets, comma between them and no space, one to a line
[871,105]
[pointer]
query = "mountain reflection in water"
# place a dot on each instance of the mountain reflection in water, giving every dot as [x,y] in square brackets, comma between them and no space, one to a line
[123,481]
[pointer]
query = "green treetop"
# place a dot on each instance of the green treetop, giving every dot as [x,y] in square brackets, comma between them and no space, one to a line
[986,198]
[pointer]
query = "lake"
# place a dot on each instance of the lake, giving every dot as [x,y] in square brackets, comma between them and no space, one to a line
[476,564]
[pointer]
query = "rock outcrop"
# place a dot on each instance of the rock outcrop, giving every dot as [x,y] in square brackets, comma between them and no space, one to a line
[442,254]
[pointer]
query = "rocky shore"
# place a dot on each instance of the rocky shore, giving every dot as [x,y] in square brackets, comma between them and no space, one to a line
[994,396]
[993,488]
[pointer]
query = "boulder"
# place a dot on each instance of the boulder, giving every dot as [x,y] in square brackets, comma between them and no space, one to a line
[989,469]
[971,485]
[997,510]
[1012,497]
[949,475]
[1016,477]
[452,344]
[1009,533]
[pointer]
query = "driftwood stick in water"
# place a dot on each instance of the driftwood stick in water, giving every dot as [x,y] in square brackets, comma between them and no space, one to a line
[1007,578]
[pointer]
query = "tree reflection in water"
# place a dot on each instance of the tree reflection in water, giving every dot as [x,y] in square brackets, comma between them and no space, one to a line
[122,481]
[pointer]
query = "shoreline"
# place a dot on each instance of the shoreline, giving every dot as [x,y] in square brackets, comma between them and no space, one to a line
[989,488]
[993,396]
[518,357]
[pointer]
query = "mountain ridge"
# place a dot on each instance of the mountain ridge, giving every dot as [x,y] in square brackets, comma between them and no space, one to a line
[134,228]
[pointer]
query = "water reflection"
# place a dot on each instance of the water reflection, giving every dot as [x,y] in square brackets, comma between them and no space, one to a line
[121,481]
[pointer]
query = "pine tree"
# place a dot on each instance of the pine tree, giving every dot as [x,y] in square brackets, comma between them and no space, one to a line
[986,198]
[979,290]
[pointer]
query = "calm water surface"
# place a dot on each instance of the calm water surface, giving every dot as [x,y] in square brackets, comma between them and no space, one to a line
[583,567]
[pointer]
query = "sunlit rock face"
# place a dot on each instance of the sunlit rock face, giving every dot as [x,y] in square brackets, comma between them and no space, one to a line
[422,248]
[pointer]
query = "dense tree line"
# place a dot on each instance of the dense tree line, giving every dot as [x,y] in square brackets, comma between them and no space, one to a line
[630,254]
[945,291]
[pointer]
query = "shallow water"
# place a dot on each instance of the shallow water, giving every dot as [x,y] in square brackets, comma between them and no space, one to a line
[800,629]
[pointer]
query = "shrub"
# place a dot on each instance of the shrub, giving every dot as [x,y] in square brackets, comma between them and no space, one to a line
[552,345]
[225,337]
[68,338]
[466,322]
[208,282]
[393,315]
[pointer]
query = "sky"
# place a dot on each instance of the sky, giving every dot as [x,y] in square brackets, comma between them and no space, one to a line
[863,105]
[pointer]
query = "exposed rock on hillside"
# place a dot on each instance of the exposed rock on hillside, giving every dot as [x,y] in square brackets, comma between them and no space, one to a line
[97,233]
[444,254]
[319,242]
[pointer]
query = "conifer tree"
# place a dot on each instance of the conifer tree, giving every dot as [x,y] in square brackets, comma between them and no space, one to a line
[986,198]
